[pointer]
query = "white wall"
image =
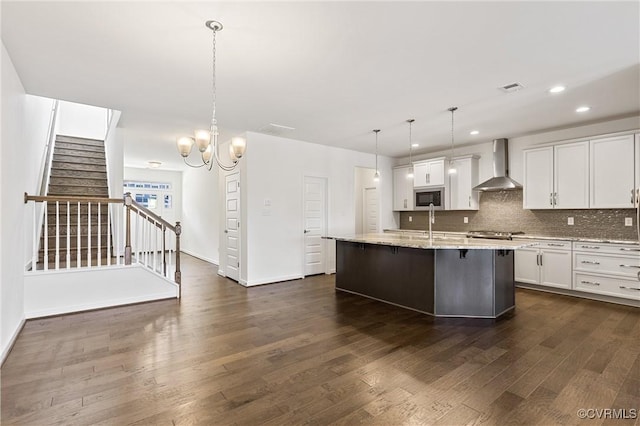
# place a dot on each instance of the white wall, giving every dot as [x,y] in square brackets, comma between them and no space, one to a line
[200,214]
[37,113]
[14,173]
[518,144]
[82,121]
[275,168]
[54,293]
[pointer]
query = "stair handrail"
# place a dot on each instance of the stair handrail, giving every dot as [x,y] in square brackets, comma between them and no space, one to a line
[152,217]
[51,140]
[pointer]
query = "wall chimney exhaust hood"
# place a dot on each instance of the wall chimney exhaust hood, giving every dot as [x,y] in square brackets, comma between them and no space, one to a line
[500,180]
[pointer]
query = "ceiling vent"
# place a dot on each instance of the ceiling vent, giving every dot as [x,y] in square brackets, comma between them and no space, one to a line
[512,87]
[276,129]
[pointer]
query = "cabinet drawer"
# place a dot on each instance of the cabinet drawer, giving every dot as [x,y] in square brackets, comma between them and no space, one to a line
[627,266]
[621,249]
[618,287]
[547,244]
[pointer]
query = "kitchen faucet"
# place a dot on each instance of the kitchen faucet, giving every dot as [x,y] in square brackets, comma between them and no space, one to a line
[432,218]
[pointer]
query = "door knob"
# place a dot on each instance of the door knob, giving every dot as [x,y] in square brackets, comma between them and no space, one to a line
[226,231]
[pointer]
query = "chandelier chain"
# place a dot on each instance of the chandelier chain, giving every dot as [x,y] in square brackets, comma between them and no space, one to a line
[213,80]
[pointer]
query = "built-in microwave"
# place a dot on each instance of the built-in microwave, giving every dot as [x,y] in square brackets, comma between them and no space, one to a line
[422,198]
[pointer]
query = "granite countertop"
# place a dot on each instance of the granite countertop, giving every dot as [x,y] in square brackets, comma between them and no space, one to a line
[423,242]
[520,237]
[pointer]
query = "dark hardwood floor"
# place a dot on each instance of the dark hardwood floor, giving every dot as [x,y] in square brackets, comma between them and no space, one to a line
[299,353]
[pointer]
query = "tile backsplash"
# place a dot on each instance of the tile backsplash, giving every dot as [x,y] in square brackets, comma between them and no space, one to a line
[502,211]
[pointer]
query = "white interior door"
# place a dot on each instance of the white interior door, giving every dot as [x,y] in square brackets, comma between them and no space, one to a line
[232,223]
[315,218]
[370,211]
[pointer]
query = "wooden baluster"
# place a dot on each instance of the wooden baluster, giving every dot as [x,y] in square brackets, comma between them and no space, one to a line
[108,235]
[178,274]
[68,235]
[46,235]
[99,235]
[34,254]
[164,248]
[89,234]
[127,249]
[78,240]
[155,245]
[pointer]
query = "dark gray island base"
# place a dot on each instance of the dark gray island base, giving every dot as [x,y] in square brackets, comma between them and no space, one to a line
[447,282]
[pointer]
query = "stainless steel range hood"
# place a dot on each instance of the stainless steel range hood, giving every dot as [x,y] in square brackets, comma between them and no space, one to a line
[500,180]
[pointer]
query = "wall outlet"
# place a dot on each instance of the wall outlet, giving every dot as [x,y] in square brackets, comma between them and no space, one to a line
[628,221]
[465,219]
[267,202]
[410,218]
[569,221]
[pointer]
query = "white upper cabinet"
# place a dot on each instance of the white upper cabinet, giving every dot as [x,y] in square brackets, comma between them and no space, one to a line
[637,169]
[402,189]
[571,176]
[557,177]
[612,172]
[537,190]
[461,183]
[429,172]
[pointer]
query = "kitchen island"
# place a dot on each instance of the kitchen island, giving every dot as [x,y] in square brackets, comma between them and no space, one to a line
[449,277]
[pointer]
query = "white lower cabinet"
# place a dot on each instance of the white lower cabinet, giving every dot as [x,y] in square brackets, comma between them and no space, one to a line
[609,269]
[548,263]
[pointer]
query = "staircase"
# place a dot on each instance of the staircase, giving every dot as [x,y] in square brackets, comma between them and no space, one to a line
[78,169]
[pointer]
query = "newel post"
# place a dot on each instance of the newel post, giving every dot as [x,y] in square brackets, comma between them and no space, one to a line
[127,247]
[178,275]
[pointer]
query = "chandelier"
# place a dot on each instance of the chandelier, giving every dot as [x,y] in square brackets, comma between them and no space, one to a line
[207,140]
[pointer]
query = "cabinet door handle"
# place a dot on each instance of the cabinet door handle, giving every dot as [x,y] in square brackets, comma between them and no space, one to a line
[629,249]
[555,198]
[469,200]
[592,247]
[555,245]
[427,177]
[590,282]
[551,198]
[633,198]
[630,266]
[540,259]
[629,288]
[591,262]
[405,203]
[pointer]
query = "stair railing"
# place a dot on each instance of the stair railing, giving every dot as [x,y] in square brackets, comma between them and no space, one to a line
[70,220]
[149,245]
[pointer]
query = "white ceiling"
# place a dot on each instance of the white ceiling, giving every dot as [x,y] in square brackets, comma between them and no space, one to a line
[332,70]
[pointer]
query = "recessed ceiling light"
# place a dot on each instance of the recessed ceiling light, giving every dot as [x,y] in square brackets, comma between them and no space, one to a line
[415,145]
[583,109]
[474,132]
[557,89]
[154,164]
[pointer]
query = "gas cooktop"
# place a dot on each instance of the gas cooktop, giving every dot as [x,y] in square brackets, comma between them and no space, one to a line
[494,235]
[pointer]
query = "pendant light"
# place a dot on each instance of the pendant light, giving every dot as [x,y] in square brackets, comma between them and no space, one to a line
[452,167]
[376,175]
[410,172]
[207,140]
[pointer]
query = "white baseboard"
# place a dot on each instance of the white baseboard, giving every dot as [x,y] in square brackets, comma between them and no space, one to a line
[273,280]
[197,256]
[12,341]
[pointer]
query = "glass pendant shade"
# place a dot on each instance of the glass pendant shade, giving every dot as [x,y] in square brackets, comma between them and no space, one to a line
[238,146]
[202,139]
[207,154]
[185,144]
[410,173]
[376,176]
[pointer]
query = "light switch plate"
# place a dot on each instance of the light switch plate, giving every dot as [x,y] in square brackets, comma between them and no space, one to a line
[466,219]
[569,221]
[628,221]
[410,218]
